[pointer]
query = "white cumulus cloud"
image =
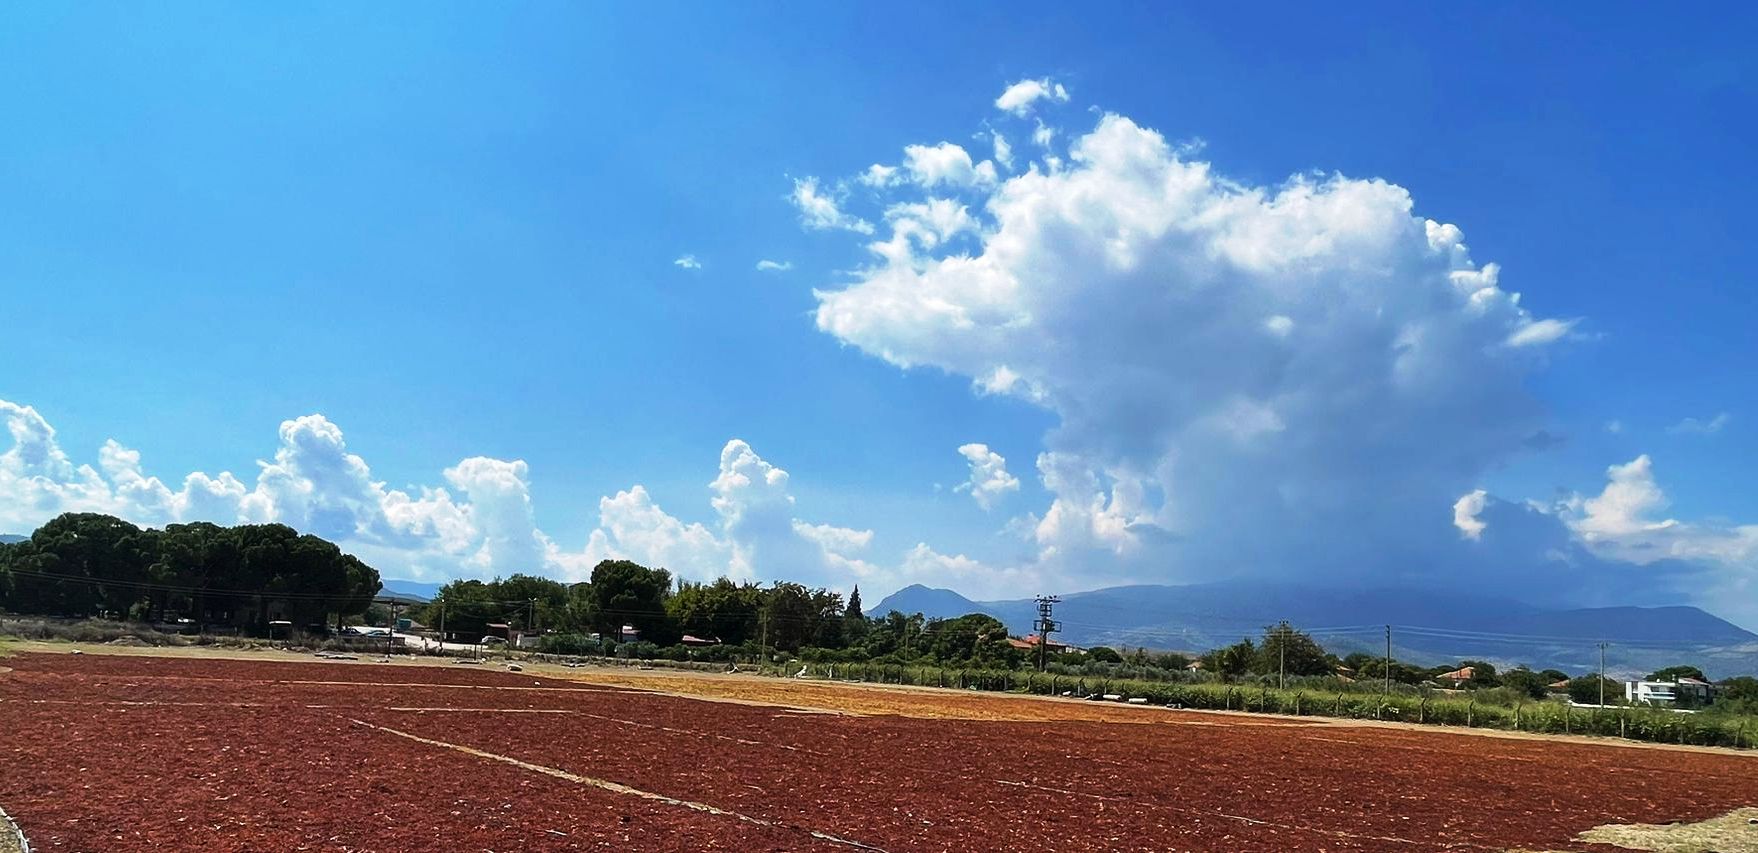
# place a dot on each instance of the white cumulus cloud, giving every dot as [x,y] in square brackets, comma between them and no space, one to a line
[946,163]
[989,481]
[481,523]
[1020,97]
[819,211]
[767,265]
[1246,378]
[688,262]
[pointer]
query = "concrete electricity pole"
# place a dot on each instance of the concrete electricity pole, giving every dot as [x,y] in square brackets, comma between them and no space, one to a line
[1388,660]
[1044,625]
[1282,657]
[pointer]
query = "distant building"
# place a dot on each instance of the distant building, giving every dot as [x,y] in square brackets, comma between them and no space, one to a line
[1669,692]
[1650,692]
[690,640]
[1458,676]
[1693,692]
[1030,643]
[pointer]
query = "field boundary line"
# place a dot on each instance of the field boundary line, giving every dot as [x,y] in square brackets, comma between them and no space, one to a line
[618,787]
[1334,833]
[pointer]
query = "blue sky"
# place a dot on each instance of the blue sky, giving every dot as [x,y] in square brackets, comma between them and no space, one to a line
[453,233]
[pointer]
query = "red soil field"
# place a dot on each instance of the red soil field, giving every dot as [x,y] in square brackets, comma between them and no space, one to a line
[142,753]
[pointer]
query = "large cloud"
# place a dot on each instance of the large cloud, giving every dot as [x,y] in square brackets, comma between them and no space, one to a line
[1248,379]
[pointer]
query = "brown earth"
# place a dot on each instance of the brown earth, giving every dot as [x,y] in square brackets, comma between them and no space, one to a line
[132,752]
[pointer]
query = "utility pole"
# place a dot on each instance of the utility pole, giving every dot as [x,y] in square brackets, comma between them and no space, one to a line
[763,645]
[1388,660]
[391,635]
[1282,656]
[1602,675]
[1044,625]
[442,604]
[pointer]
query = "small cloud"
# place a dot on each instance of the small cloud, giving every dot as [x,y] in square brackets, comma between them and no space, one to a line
[1044,135]
[878,175]
[688,262]
[1692,426]
[989,478]
[1540,332]
[1467,512]
[767,265]
[819,211]
[1019,97]
[1614,427]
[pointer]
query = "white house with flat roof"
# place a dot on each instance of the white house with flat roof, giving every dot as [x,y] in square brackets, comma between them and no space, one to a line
[1668,692]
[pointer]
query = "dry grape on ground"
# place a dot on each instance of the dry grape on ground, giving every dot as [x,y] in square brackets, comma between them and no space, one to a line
[138,752]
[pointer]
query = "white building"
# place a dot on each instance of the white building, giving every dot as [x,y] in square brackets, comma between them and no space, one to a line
[1650,692]
[1668,692]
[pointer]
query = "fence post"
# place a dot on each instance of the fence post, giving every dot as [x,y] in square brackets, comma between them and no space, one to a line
[1517,716]
[1470,712]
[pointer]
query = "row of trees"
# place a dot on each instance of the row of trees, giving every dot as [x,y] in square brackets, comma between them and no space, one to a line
[87,564]
[786,617]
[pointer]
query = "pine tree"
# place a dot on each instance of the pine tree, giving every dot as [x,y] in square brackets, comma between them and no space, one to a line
[853,611]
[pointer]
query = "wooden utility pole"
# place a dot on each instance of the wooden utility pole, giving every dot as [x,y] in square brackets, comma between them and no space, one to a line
[1602,675]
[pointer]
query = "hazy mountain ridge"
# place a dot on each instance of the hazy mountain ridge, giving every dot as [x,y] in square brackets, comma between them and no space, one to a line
[409,589]
[1427,626]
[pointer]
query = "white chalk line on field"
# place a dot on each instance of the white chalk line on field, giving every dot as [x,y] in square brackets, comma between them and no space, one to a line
[1065,791]
[1292,827]
[619,788]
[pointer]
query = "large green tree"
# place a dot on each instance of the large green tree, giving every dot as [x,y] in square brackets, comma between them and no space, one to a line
[86,564]
[627,593]
[1674,673]
[974,639]
[1286,649]
[723,610]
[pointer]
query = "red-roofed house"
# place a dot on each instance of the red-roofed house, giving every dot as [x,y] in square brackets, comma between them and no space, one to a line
[1458,676]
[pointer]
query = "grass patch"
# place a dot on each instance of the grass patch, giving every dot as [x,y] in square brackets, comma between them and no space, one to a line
[1735,832]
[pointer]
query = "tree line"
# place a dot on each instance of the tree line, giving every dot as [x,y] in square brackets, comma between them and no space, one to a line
[242,577]
[735,619]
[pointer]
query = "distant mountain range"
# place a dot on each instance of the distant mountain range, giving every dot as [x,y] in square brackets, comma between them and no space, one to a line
[9,538]
[403,589]
[1427,627]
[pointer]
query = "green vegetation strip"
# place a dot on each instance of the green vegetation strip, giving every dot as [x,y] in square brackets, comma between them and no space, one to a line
[1410,706]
